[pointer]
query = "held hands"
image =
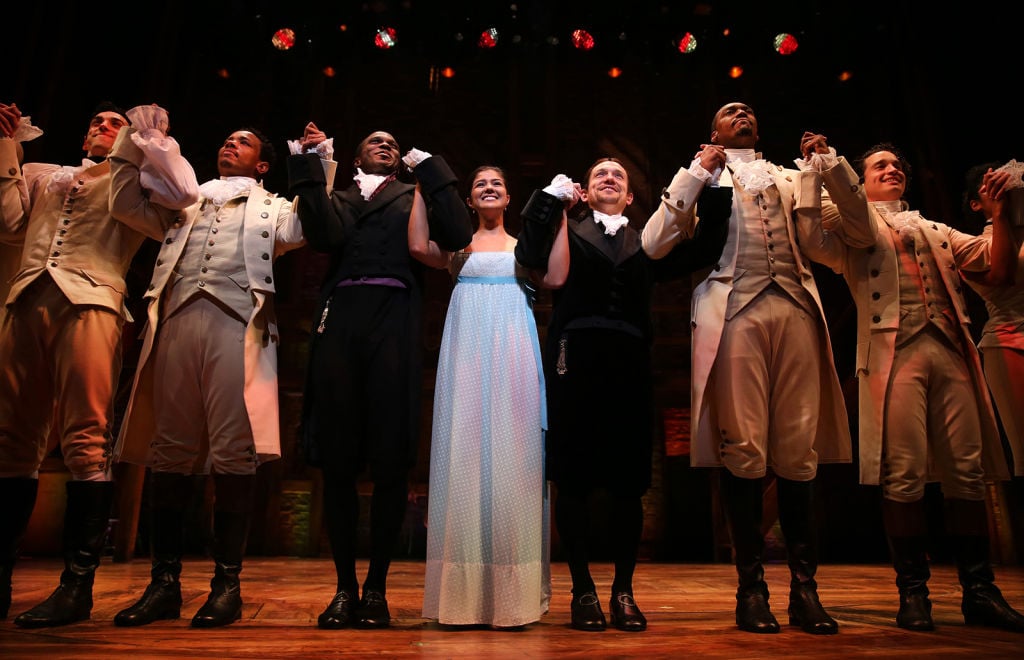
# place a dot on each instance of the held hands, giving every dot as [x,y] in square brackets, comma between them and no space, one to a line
[10,116]
[813,143]
[564,189]
[313,140]
[995,184]
[414,157]
[311,136]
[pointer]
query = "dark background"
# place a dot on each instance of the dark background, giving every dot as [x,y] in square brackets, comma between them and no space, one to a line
[940,83]
[937,82]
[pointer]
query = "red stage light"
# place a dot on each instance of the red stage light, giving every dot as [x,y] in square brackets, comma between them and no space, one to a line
[614,72]
[283,39]
[329,71]
[488,38]
[735,72]
[582,40]
[785,44]
[385,38]
[688,43]
[448,72]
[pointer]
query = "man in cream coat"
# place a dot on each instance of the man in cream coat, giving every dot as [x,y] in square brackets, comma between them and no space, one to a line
[212,322]
[765,391]
[60,341]
[925,412]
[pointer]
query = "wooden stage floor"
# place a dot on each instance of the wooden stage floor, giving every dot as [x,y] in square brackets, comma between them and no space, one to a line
[689,609]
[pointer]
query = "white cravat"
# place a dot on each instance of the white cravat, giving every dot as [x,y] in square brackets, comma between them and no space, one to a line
[751,172]
[906,223]
[612,223]
[367,183]
[221,190]
[61,179]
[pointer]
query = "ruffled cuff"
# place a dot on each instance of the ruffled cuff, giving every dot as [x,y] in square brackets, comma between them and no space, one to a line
[818,162]
[698,171]
[414,157]
[561,187]
[26,131]
[323,149]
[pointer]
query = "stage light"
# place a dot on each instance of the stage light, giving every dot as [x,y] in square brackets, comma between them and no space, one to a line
[448,72]
[283,39]
[223,73]
[785,43]
[687,44]
[343,28]
[844,76]
[386,38]
[329,71]
[582,40]
[735,71]
[488,38]
[614,72]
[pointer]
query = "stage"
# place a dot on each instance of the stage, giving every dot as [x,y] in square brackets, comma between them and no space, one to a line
[689,609]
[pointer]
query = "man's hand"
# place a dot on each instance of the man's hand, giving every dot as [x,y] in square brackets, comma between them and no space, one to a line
[10,116]
[813,143]
[712,157]
[311,136]
[995,184]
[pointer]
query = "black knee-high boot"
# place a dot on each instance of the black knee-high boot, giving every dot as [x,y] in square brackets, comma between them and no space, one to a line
[387,512]
[906,528]
[744,502]
[169,496]
[983,603]
[18,495]
[86,523]
[796,514]
[572,518]
[232,514]
[626,523]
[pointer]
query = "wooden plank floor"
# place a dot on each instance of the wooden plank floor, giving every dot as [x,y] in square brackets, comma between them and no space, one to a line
[689,609]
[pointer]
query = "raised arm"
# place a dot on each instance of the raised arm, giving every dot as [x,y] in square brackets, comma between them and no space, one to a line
[132,184]
[1003,269]
[420,246]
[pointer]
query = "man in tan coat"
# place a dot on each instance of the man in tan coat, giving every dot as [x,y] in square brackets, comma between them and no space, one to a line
[765,392]
[212,323]
[60,341]
[925,412]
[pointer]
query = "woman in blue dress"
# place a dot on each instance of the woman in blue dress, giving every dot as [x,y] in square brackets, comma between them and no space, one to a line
[487,522]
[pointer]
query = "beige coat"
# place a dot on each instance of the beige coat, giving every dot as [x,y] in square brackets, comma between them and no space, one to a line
[872,273]
[801,195]
[86,252]
[271,229]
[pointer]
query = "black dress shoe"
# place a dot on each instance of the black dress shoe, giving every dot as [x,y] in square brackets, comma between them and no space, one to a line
[586,612]
[625,615]
[339,613]
[372,611]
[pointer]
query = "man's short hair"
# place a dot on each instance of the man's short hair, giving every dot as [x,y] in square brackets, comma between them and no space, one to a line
[267,151]
[891,148]
[109,106]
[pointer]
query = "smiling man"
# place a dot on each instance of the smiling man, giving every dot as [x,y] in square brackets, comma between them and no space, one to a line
[765,392]
[60,341]
[597,368]
[925,412]
[361,405]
